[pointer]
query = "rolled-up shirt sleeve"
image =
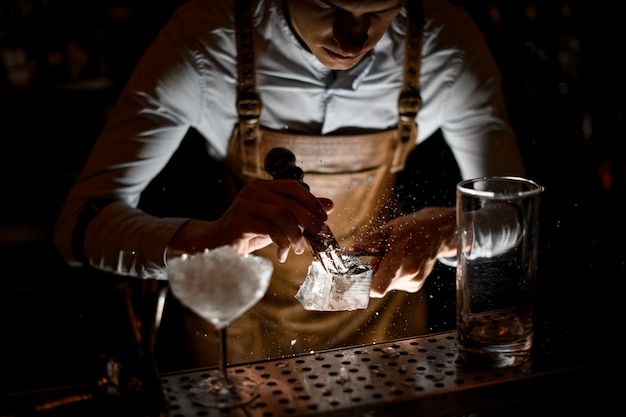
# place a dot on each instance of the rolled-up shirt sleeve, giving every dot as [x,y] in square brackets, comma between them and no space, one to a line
[144,129]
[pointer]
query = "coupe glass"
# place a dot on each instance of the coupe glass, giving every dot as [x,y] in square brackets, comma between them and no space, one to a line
[220,285]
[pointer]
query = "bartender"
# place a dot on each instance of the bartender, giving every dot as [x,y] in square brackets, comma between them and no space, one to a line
[351,87]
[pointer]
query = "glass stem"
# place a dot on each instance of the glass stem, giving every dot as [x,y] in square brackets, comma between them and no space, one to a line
[221,336]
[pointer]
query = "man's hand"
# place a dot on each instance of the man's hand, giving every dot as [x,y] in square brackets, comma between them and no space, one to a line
[411,245]
[263,212]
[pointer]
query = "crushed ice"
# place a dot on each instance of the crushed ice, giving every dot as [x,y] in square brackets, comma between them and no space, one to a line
[219,284]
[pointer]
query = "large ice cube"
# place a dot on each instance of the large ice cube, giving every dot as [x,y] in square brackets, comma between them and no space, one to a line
[324,291]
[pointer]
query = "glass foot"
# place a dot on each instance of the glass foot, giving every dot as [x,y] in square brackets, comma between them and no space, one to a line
[215,392]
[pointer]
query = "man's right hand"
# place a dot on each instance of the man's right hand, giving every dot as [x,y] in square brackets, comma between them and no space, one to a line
[263,212]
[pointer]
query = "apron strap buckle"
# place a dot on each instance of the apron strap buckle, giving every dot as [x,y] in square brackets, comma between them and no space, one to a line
[409,104]
[249,108]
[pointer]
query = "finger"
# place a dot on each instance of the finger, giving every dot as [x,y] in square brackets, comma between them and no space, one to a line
[381,280]
[252,242]
[284,243]
[285,233]
[249,222]
[327,204]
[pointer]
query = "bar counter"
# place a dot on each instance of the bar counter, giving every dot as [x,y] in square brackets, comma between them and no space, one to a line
[416,376]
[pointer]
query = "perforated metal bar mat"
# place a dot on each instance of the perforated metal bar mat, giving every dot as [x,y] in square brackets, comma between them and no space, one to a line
[407,377]
[415,377]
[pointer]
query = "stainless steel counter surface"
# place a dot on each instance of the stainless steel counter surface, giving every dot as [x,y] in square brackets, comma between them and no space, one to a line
[418,376]
[573,358]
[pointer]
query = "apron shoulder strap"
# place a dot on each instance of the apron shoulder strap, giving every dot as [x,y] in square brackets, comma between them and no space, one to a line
[248,101]
[410,101]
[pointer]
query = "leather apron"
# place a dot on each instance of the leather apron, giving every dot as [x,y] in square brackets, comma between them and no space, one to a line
[358,173]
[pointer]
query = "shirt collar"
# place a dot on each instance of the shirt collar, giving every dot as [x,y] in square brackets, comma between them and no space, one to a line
[352,78]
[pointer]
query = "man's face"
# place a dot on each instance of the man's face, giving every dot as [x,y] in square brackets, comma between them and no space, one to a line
[340,32]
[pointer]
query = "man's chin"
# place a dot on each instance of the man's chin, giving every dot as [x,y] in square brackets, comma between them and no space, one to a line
[336,66]
[337,62]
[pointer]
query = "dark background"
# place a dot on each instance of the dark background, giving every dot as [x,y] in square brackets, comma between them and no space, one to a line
[64,62]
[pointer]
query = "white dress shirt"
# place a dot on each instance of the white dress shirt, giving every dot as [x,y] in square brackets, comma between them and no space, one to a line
[188,79]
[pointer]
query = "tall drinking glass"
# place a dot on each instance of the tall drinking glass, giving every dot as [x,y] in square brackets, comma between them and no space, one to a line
[220,285]
[497,220]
